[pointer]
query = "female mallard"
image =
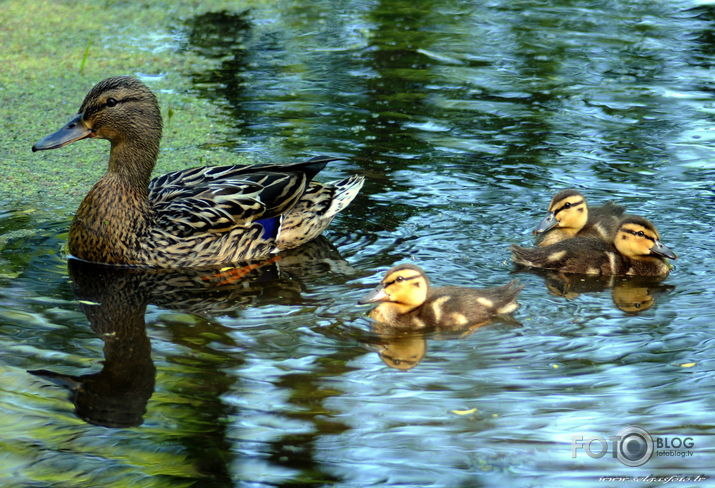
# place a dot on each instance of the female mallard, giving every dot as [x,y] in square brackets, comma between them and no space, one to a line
[190,218]
[570,216]
[405,299]
[635,250]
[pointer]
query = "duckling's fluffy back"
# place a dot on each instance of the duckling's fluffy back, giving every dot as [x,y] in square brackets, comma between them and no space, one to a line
[453,306]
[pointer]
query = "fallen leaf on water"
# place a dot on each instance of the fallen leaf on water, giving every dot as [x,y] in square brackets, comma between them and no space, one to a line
[464,412]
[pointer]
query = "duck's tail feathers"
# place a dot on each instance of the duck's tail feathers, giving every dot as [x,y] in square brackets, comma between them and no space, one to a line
[345,192]
[315,165]
[508,294]
[522,255]
[315,210]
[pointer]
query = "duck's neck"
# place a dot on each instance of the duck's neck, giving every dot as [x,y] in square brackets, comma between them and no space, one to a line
[132,161]
[112,219]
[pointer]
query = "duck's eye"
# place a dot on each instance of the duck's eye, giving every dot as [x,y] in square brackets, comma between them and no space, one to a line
[111,102]
[640,233]
[567,205]
[399,279]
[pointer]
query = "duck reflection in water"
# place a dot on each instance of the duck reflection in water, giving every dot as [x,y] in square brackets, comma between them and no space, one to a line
[115,299]
[632,294]
[409,310]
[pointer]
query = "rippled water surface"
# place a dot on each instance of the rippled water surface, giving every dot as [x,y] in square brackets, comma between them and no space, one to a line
[465,117]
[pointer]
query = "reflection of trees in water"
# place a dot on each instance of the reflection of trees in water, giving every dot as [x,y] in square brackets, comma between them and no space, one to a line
[495,88]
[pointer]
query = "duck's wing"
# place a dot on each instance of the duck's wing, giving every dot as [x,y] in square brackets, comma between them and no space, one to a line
[196,176]
[216,199]
[585,255]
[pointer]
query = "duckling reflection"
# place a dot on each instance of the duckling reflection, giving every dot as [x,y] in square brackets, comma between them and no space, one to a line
[400,350]
[635,295]
[632,294]
[115,299]
[403,349]
[570,216]
[405,299]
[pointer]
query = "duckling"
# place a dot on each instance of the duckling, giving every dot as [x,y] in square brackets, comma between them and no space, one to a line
[198,217]
[405,299]
[570,216]
[635,250]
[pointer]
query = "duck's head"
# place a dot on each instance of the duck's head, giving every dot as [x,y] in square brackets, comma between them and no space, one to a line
[405,285]
[119,109]
[567,210]
[637,238]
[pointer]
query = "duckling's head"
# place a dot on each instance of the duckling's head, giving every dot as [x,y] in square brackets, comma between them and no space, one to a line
[637,238]
[567,211]
[119,109]
[405,286]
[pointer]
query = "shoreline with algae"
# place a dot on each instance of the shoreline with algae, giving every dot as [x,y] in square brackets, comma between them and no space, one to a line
[54,52]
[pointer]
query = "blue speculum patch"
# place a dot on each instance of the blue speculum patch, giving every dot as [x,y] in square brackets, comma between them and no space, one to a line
[270,227]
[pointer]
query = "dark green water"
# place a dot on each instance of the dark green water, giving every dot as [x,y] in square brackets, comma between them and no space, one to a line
[465,118]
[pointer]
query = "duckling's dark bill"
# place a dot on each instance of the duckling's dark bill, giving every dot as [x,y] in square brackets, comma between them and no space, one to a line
[660,249]
[548,223]
[75,130]
[378,295]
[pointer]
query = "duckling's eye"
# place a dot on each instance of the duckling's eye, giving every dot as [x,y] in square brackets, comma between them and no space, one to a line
[399,279]
[111,102]
[567,205]
[640,233]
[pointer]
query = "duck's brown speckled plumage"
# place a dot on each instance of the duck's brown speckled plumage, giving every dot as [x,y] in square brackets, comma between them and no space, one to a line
[405,299]
[571,216]
[636,251]
[190,218]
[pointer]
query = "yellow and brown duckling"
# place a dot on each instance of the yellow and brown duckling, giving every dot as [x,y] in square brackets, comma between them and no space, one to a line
[197,217]
[636,250]
[405,299]
[570,216]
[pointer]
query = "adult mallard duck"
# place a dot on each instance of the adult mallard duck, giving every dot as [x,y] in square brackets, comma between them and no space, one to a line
[191,218]
[636,250]
[570,216]
[405,299]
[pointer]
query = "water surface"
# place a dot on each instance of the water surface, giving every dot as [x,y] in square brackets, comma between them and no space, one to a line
[465,119]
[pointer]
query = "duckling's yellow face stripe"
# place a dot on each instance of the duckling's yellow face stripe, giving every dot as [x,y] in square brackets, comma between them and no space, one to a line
[635,240]
[392,279]
[566,204]
[406,286]
[570,212]
[640,231]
